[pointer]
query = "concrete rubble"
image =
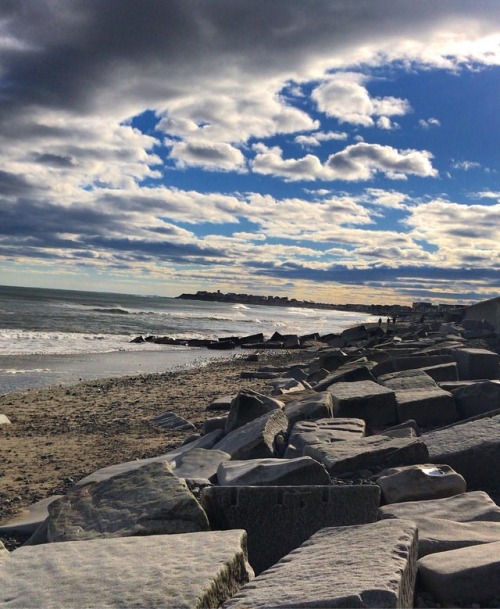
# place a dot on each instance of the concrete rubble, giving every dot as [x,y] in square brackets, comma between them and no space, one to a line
[369,479]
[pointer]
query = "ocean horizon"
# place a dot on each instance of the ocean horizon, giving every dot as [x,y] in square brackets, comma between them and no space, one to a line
[50,336]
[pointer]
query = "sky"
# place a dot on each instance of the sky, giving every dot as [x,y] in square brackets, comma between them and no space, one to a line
[331,150]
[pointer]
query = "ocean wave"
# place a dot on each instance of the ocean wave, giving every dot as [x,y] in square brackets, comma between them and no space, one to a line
[115,311]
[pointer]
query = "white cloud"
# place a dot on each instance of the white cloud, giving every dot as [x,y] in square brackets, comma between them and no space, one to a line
[345,97]
[356,162]
[315,139]
[430,122]
[465,165]
[211,156]
[384,122]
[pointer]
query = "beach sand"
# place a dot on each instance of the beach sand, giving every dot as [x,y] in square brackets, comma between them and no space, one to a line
[61,434]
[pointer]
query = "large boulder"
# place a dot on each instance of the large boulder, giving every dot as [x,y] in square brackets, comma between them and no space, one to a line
[317,406]
[272,472]
[477,363]
[467,577]
[417,482]
[322,431]
[370,565]
[188,571]
[477,398]
[429,407]
[150,500]
[247,406]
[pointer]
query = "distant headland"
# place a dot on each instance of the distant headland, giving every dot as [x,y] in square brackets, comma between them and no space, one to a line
[284,301]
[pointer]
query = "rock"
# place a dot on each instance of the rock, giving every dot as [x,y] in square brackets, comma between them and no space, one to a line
[477,398]
[477,363]
[349,375]
[466,507]
[464,576]
[104,473]
[272,472]
[28,521]
[247,406]
[4,553]
[442,372]
[322,431]
[440,535]
[279,518]
[331,359]
[169,420]
[297,373]
[366,400]
[412,362]
[256,439]
[150,500]
[370,565]
[408,424]
[407,379]
[287,385]
[222,403]
[429,407]
[222,345]
[316,406]
[252,339]
[199,463]
[213,423]
[4,420]
[187,571]
[368,453]
[417,482]
[138,340]
[355,334]
[471,449]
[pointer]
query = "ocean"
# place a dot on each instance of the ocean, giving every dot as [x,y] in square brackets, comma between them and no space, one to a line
[50,337]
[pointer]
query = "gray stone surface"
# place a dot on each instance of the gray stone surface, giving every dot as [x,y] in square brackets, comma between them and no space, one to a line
[272,472]
[4,553]
[317,406]
[477,363]
[471,449]
[28,521]
[443,372]
[199,463]
[477,398]
[417,482]
[213,423]
[411,362]
[195,570]
[407,379]
[150,500]
[247,406]
[365,400]
[222,403]
[322,431]
[358,372]
[367,453]
[429,407]
[371,565]
[4,420]
[440,535]
[282,386]
[465,576]
[279,518]
[255,440]
[466,507]
[170,420]
[104,473]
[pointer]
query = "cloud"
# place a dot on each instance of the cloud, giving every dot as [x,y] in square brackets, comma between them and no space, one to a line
[430,122]
[345,97]
[357,162]
[465,165]
[315,139]
[218,156]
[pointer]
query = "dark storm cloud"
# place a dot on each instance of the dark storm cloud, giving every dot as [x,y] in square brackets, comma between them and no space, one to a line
[54,160]
[12,184]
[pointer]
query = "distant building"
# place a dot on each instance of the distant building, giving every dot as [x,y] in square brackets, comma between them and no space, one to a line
[421,307]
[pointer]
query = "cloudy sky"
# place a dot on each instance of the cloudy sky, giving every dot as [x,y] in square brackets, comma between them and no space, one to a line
[334,150]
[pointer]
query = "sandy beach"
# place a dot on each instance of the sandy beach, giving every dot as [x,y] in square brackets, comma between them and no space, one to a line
[61,434]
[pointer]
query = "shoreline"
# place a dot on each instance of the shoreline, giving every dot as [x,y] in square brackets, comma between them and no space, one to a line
[60,434]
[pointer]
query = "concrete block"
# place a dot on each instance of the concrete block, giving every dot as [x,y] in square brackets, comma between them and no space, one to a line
[317,406]
[440,535]
[349,375]
[305,433]
[150,500]
[255,440]
[199,463]
[279,518]
[247,406]
[371,565]
[477,398]
[471,449]
[466,507]
[272,472]
[366,400]
[187,571]
[417,482]
[367,453]
[465,576]
[429,407]
[28,521]
[407,379]
[442,372]
[411,362]
[477,363]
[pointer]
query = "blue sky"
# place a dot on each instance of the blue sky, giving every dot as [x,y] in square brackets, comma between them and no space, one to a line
[328,150]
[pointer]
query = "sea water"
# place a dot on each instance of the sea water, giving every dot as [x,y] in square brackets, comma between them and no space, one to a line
[60,336]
